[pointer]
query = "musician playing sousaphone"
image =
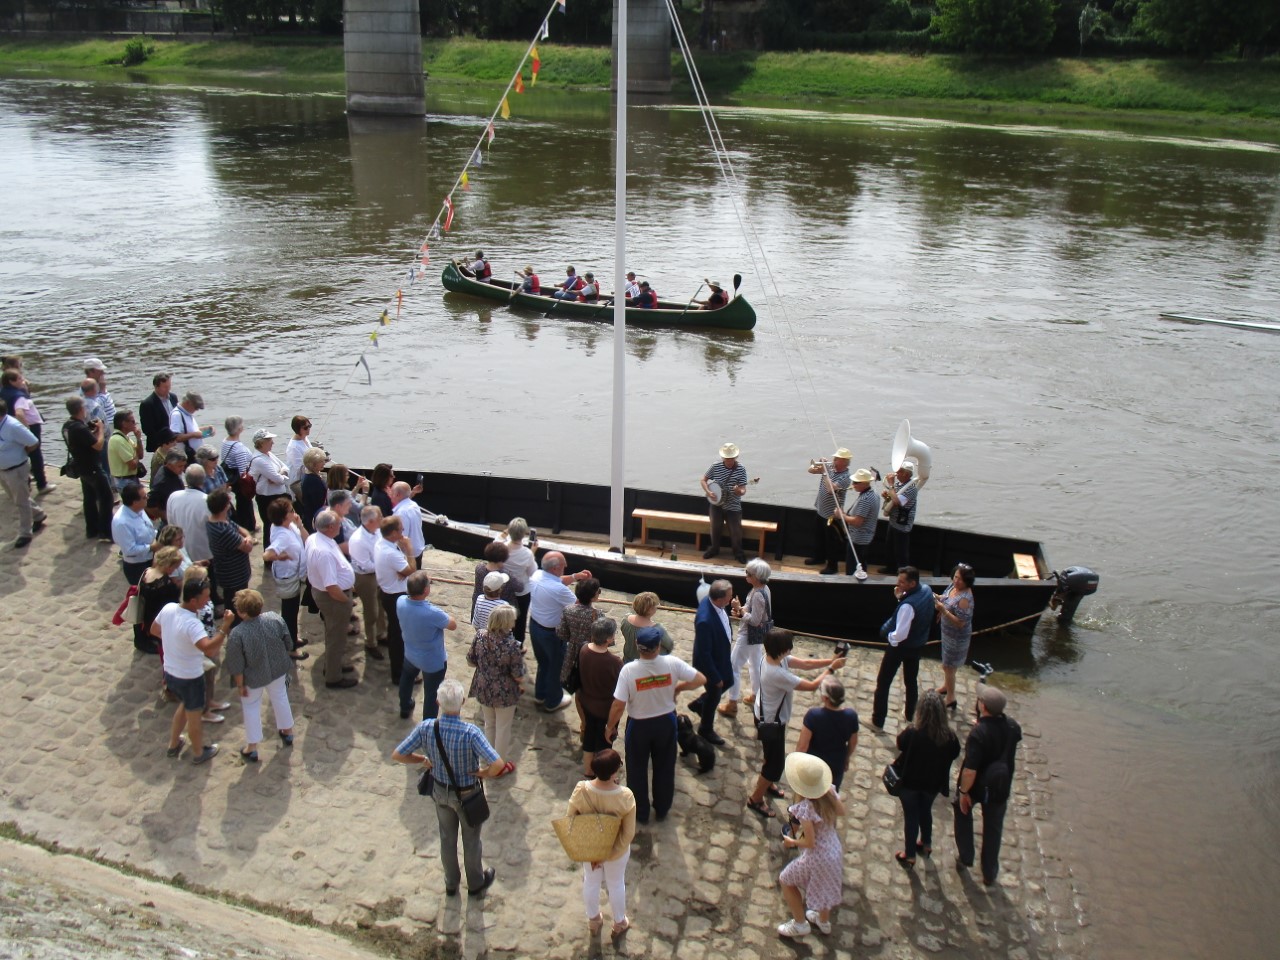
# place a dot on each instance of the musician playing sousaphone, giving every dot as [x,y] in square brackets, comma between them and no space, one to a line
[900,495]
[828,535]
[724,483]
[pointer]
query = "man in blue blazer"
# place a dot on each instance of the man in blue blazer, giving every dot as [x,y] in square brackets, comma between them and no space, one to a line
[711,654]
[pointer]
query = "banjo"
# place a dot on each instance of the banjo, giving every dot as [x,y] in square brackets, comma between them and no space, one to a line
[715,494]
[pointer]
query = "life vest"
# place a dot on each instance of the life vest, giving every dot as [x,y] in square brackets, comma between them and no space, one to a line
[594,295]
[573,283]
[648,299]
[716,300]
[531,284]
[487,271]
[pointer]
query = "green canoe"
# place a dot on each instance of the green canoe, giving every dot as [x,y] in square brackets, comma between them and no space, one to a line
[738,314]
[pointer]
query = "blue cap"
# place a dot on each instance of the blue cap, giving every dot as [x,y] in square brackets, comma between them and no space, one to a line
[648,637]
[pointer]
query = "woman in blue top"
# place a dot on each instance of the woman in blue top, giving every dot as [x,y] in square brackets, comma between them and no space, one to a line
[831,730]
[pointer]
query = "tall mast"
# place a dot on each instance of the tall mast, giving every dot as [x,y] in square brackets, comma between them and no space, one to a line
[618,454]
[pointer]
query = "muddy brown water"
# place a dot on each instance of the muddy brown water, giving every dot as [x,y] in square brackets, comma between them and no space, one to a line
[999,287]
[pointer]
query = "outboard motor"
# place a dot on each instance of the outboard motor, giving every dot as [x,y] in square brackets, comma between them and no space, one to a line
[1074,584]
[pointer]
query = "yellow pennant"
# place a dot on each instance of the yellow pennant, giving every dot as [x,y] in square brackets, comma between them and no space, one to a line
[506,109]
[384,319]
[465,181]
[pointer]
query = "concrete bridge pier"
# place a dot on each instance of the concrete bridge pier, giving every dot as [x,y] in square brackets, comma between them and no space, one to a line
[382,49]
[648,49]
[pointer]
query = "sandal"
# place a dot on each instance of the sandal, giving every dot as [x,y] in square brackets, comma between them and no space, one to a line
[904,860]
[923,850]
[595,924]
[621,927]
[776,791]
[762,808]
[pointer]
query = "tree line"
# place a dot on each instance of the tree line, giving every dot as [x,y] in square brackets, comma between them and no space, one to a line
[1201,28]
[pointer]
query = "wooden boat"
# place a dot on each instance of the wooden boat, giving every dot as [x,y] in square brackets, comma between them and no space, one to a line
[1237,324]
[1014,580]
[738,314]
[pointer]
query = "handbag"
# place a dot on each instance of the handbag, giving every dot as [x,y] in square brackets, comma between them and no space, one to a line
[587,837]
[129,611]
[426,784]
[892,776]
[755,635]
[771,732]
[475,805]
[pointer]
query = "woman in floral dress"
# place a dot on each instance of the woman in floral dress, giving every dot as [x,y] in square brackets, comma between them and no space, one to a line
[955,616]
[814,880]
[499,663]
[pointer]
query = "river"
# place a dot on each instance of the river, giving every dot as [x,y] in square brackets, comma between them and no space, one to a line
[998,286]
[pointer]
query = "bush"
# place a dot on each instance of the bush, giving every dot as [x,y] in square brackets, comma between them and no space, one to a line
[136,51]
[995,26]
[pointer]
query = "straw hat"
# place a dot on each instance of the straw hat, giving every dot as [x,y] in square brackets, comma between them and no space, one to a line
[844,453]
[808,775]
[729,451]
[863,475]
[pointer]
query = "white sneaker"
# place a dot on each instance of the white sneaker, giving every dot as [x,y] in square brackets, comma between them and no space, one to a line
[813,918]
[793,929]
[564,701]
[47,488]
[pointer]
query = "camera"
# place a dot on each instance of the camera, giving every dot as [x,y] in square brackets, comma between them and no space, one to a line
[842,648]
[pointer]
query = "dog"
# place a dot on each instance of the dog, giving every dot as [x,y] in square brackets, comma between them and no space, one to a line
[690,742]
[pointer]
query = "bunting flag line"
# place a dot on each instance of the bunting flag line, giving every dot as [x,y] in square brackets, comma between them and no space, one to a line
[505,109]
[448,218]
[362,362]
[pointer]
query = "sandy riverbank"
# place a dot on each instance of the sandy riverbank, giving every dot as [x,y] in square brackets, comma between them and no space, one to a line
[334,834]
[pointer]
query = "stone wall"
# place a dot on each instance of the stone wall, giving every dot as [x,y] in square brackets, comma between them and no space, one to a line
[648,47]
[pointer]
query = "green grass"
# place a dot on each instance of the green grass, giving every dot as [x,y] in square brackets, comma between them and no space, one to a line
[899,82]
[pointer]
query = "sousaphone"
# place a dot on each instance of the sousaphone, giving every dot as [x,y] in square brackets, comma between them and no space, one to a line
[906,447]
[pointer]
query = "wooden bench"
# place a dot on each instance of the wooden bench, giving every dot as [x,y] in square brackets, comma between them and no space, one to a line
[697,524]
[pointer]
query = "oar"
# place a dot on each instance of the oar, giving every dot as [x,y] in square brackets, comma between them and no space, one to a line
[515,288]
[556,304]
[691,299]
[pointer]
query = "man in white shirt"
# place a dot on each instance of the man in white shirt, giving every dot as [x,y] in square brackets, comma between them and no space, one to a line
[332,580]
[189,510]
[184,426]
[16,445]
[186,645]
[632,288]
[549,594]
[646,690]
[410,514]
[361,547]
[392,566]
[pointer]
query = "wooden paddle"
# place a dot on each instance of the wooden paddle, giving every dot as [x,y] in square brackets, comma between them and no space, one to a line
[691,299]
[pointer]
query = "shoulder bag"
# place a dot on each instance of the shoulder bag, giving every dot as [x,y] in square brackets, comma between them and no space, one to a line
[755,635]
[587,837]
[475,806]
[770,731]
[892,776]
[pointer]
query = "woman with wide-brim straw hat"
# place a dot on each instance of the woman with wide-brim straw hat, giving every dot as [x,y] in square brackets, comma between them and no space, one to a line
[812,884]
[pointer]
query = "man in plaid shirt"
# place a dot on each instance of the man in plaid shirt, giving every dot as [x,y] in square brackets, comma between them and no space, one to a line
[471,758]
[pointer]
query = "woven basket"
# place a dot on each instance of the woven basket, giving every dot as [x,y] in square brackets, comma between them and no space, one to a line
[588,837]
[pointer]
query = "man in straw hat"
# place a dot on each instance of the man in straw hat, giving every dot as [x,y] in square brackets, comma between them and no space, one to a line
[900,494]
[717,299]
[861,520]
[828,535]
[986,777]
[731,478]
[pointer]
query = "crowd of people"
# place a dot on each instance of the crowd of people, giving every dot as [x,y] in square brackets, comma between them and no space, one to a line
[186,529]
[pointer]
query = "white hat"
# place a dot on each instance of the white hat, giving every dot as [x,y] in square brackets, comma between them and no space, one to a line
[909,466]
[729,451]
[93,363]
[263,434]
[844,453]
[495,581]
[808,775]
[863,475]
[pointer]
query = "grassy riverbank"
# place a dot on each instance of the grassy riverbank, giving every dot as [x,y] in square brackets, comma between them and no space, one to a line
[1237,90]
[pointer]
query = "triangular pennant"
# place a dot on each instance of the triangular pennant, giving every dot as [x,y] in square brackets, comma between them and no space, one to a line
[448,217]
[506,109]
[519,84]
[384,318]
[365,363]
[477,158]
[546,30]
[562,6]
[537,65]
[465,181]
[489,132]
[373,338]
[400,299]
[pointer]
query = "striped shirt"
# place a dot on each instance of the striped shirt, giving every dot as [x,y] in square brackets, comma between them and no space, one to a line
[230,563]
[728,479]
[464,742]
[904,517]
[868,506]
[484,607]
[235,456]
[259,649]
[826,503]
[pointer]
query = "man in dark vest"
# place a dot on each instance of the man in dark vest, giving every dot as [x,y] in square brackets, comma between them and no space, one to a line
[907,632]
[986,777]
